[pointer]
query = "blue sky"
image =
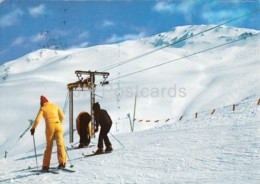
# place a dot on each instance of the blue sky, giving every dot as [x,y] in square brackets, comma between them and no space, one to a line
[29,25]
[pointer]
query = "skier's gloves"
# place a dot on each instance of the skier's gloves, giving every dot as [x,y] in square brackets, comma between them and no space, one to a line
[32,131]
[96,129]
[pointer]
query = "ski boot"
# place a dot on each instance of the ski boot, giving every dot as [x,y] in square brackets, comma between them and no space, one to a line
[109,149]
[61,166]
[45,169]
[99,151]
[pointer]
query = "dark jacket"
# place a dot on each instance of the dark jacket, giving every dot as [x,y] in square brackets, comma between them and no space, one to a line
[102,118]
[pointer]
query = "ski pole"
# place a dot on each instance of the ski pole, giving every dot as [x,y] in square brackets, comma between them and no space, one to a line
[35,152]
[117,140]
[68,156]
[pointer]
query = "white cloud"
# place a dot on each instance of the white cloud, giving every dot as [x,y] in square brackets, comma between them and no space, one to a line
[36,11]
[59,32]
[214,17]
[115,38]
[172,7]
[186,7]
[80,45]
[11,18]
[83,35]
[107,23]
[164,7]
[38,37]
[18,41]
[134,36]
[83,44]
[2,52]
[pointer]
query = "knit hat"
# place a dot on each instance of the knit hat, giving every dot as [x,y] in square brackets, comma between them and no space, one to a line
[96,106]
[43,100]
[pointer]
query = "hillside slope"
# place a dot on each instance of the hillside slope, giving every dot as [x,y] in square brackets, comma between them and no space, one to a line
[219,148]
[205,81]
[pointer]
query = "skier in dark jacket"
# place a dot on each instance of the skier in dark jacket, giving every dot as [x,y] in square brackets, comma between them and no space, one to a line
[103,119]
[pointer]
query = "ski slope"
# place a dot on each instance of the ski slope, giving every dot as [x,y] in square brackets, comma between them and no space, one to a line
[223,148]
[212,149]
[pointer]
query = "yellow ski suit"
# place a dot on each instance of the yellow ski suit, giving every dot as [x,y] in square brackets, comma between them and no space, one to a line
[53,117]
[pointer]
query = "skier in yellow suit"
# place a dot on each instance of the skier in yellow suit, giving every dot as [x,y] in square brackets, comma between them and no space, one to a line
[53,117]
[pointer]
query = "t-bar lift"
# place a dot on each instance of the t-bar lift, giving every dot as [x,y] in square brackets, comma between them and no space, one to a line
[89,83]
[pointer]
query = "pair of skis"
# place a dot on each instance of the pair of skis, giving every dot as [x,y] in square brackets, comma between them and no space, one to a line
[94,153]
[53,170]
[76,147]
[87,155]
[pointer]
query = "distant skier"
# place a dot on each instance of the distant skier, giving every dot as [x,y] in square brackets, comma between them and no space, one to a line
[83,128]
[103,119]
[53,117]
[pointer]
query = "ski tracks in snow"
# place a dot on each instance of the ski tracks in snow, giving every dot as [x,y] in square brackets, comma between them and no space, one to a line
[191,152]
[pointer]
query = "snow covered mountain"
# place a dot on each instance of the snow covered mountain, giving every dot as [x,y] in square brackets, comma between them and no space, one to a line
[214,79]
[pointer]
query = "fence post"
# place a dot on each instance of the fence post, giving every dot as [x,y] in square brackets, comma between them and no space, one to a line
[180,118]
[213,111]
[131,123]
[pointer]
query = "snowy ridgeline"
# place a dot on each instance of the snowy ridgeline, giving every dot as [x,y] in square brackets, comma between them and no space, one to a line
[220,148]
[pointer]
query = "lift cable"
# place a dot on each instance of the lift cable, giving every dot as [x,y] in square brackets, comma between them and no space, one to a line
[195,53]
[186,38]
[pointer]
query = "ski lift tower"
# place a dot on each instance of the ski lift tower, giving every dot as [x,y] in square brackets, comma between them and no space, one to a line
[87,82]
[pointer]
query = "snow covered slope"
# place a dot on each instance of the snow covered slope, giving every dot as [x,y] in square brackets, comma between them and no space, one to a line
[216,78]
[213,79]
[219,148]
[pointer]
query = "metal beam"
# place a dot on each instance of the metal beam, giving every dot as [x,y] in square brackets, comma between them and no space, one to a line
[92,97]
[71,115]
[80,72]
